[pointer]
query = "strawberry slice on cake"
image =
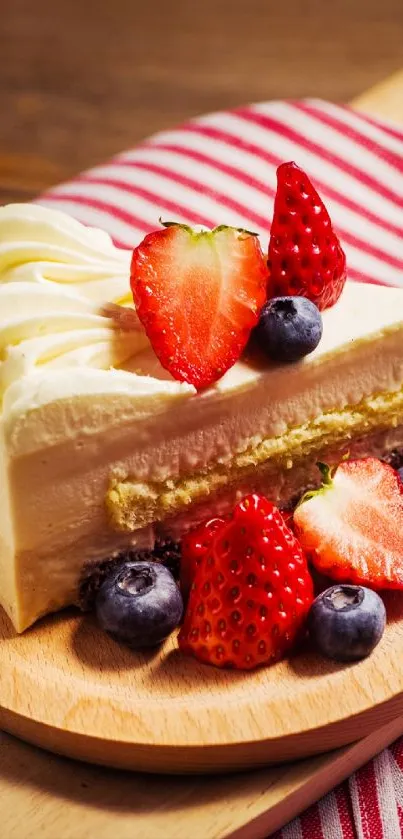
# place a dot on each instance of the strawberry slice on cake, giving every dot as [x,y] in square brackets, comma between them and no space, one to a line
[198,295]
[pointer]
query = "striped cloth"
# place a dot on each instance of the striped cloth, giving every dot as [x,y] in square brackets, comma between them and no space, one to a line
[220,169]
[367,806]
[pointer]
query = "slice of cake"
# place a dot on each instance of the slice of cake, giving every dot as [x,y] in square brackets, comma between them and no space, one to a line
[102,450]
[124,425]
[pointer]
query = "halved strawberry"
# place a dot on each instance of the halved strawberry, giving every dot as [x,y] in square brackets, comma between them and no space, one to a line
[251,593]
[352,528]
[198,296]
[305,255]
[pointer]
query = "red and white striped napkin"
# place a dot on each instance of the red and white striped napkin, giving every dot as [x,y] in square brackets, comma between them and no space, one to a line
[219,169]
[367,806]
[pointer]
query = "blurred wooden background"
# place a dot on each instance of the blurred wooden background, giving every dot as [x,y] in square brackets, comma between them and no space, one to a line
[82,79]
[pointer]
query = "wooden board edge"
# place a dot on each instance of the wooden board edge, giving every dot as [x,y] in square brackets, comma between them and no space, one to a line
[197,760]
[310,786]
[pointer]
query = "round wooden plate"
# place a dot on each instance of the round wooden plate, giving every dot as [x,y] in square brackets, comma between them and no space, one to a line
[66,686]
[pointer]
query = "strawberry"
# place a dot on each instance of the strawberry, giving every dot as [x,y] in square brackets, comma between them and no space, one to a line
[305,255]
[251,593]
[195,545]
[288,516]
[352,528]
[198,296]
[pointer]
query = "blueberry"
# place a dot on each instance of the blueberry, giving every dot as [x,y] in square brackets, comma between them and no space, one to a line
[139,603]
[346,622]
[289,328]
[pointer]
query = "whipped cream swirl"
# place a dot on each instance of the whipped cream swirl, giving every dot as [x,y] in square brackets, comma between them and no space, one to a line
[55,275]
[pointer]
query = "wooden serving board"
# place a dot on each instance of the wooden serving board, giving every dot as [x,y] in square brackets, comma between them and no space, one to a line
[65,686]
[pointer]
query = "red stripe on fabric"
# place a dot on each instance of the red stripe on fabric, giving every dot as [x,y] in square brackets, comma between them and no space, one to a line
[391,130]
[311,825]
[205,159]
[225,200]
[98,204]
[231,140]
[347,130]
[360,277]
[257,151]
[152,197]
[249,180]
[370,249]
[371,817]
[271,124]
[400,815]
[345,811]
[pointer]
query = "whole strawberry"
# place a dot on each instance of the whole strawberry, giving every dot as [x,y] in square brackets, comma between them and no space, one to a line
[195,545]
[352,528]
[251,593]
[198,295]
[305,255]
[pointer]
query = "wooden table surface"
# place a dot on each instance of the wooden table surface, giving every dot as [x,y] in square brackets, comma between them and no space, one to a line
[82,79]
